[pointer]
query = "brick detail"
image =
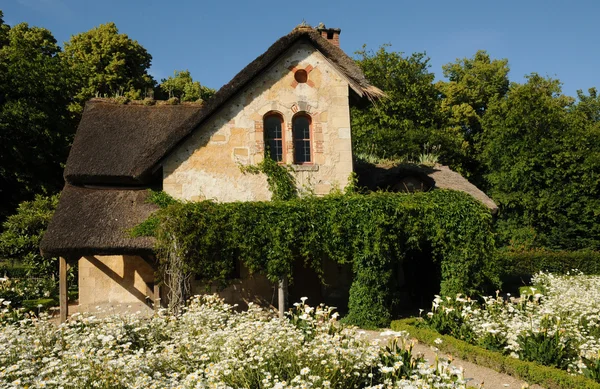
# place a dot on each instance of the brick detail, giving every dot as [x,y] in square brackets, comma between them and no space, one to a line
[319,146]
[289,145]
[258,125]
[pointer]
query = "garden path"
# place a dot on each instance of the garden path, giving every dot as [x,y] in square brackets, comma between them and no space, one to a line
[479,376]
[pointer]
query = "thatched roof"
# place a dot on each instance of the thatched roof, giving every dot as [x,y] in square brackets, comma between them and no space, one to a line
[95,222]
[394,177]
[123,143]
[114,141]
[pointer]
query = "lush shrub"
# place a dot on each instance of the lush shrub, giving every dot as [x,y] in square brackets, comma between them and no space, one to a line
[210,345]
[558,328]
[372,232]
[528,263]
[23,231]
[531,372]
[18,290]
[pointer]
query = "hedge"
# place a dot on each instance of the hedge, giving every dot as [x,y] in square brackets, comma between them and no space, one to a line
[530,372]
[516,268]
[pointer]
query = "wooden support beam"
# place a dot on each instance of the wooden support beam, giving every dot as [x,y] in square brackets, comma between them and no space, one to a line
[282,296]
[63,288]
[156,297]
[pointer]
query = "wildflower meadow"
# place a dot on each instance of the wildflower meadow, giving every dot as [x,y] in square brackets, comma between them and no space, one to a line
[213,345]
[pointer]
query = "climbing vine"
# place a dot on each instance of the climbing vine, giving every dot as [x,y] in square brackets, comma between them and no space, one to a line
[371,232]
[280,180]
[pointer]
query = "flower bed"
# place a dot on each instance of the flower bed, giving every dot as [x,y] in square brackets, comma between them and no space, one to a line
[556,323]
[210,345]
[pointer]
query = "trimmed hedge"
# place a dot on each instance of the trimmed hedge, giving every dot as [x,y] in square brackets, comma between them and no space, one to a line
[17,270]
[530,372]
[516,268]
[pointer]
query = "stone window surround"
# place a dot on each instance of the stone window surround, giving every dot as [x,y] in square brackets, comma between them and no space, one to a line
[298,167]
[282,139]
[310,137]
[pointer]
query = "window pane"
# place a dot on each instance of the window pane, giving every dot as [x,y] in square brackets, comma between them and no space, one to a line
[301,132]
[301,128]
[272,127]
[302,151]
[276,149]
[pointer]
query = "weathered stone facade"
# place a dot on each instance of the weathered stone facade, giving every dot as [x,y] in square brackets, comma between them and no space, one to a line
[120,282]
[207,164]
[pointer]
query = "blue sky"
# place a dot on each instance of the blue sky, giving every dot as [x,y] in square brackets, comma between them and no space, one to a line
[215,39]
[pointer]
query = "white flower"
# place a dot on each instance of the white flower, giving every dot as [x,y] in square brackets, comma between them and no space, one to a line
[304,371]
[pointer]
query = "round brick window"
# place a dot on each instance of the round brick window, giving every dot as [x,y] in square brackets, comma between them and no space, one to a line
[301,76]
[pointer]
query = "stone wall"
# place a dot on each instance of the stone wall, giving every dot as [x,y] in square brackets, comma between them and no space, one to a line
[207,164]
[120,282]
[244,288]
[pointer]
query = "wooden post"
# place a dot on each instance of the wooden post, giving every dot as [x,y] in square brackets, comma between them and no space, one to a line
[282,294]
[156,297]
[63,288]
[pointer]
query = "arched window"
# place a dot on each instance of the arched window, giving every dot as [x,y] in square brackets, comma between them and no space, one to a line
[273,128]
[301,132]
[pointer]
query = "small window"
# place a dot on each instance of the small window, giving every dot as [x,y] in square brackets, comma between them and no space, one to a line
[301,132]
[273,128]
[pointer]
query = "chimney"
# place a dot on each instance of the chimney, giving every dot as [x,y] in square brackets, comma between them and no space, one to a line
[331,34]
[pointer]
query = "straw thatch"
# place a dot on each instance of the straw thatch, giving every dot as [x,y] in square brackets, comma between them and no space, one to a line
[113,140]
[123,143]
[411,177]
[91,221]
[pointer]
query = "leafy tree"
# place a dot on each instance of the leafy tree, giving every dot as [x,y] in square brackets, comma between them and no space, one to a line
[23,232]
[36,128]
[182,86]
[543,161]
[106,63]
[401,124]
[472,84]
[589,105]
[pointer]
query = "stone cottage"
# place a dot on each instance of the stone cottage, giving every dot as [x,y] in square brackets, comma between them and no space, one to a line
[292,104]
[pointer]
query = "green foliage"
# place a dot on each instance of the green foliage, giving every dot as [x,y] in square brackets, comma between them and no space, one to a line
[592,368]
[543,159]
[35,125]
[472,84]
[281,182]
[530,372]
[26,289]
[397,126]
[372,232]
[448,319]
[105,63]
[182,86]
[519,266]
[23,231]
[548,348]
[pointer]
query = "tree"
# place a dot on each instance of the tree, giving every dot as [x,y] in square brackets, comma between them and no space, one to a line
[23,232]
[472,84]
[182,86]
[36,128]
[589,105]
[543,160]
[106,63]
[400,125]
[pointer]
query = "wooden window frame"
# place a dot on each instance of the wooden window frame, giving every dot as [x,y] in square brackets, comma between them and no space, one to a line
[310,139]
[282,139]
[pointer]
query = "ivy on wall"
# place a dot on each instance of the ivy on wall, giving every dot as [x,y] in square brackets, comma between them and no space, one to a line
[371,232]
